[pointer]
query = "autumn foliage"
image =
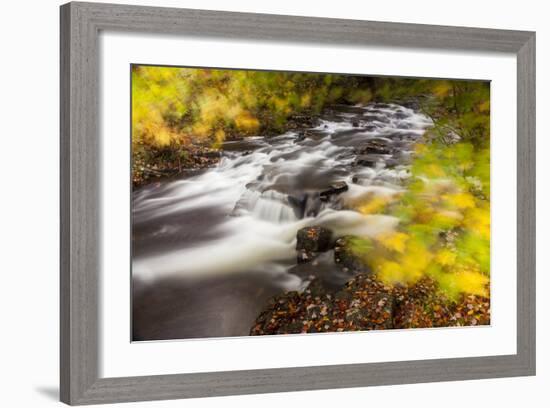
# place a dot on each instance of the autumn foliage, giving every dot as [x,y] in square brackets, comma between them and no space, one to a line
[444,230]
[444,215]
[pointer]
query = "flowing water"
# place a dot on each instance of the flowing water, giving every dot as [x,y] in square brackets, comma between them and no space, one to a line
[211,248]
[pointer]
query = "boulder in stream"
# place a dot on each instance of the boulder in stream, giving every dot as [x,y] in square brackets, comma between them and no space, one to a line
[376,147]
[302,135]
[366,160]
[335,188]
[312,240]
[316,239]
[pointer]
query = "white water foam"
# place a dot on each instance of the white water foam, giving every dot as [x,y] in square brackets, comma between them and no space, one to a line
[258,193]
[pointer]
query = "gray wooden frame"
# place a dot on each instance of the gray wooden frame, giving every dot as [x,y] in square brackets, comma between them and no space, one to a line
[80,234]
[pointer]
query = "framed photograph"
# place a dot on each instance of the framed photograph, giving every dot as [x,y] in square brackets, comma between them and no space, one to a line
[261,203]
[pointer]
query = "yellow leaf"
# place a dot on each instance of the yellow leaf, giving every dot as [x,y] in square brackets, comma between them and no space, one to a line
[445,257]
[394,241]
[416,260]
[390,271]
[461,200]
[163,136]
[246,122]
[434,170]
[479,221]
[472,282]
[446,219]
[374,205]
[201,129]
[220,137]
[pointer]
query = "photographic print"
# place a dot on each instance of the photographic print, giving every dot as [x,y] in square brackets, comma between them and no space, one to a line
[268,202]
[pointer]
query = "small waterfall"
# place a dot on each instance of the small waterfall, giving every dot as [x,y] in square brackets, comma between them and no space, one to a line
[274,207]
[269,206]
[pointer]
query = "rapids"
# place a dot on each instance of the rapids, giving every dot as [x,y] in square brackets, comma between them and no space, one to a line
[208,250]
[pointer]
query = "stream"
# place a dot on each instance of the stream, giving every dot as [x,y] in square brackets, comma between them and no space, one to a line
[209,249]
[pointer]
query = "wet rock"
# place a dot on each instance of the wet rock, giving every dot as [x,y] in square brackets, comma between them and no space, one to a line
[366,161]
[312,205]
[316,239]
[316,288]
[355,123]
[376,147]
[246,153]
[391,163]
[343,296]
[298,203]
[310,241]
[297,122]
[377,118]
[334,189]
[373,313]
[345,257]
[305,120]
[301,137]
[293,327]
[304,256]
[253,186]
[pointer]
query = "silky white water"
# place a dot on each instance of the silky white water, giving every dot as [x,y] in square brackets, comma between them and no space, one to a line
[230,231]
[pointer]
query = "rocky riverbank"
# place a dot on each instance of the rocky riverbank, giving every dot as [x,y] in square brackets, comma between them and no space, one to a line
[364,302]
[173,161]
